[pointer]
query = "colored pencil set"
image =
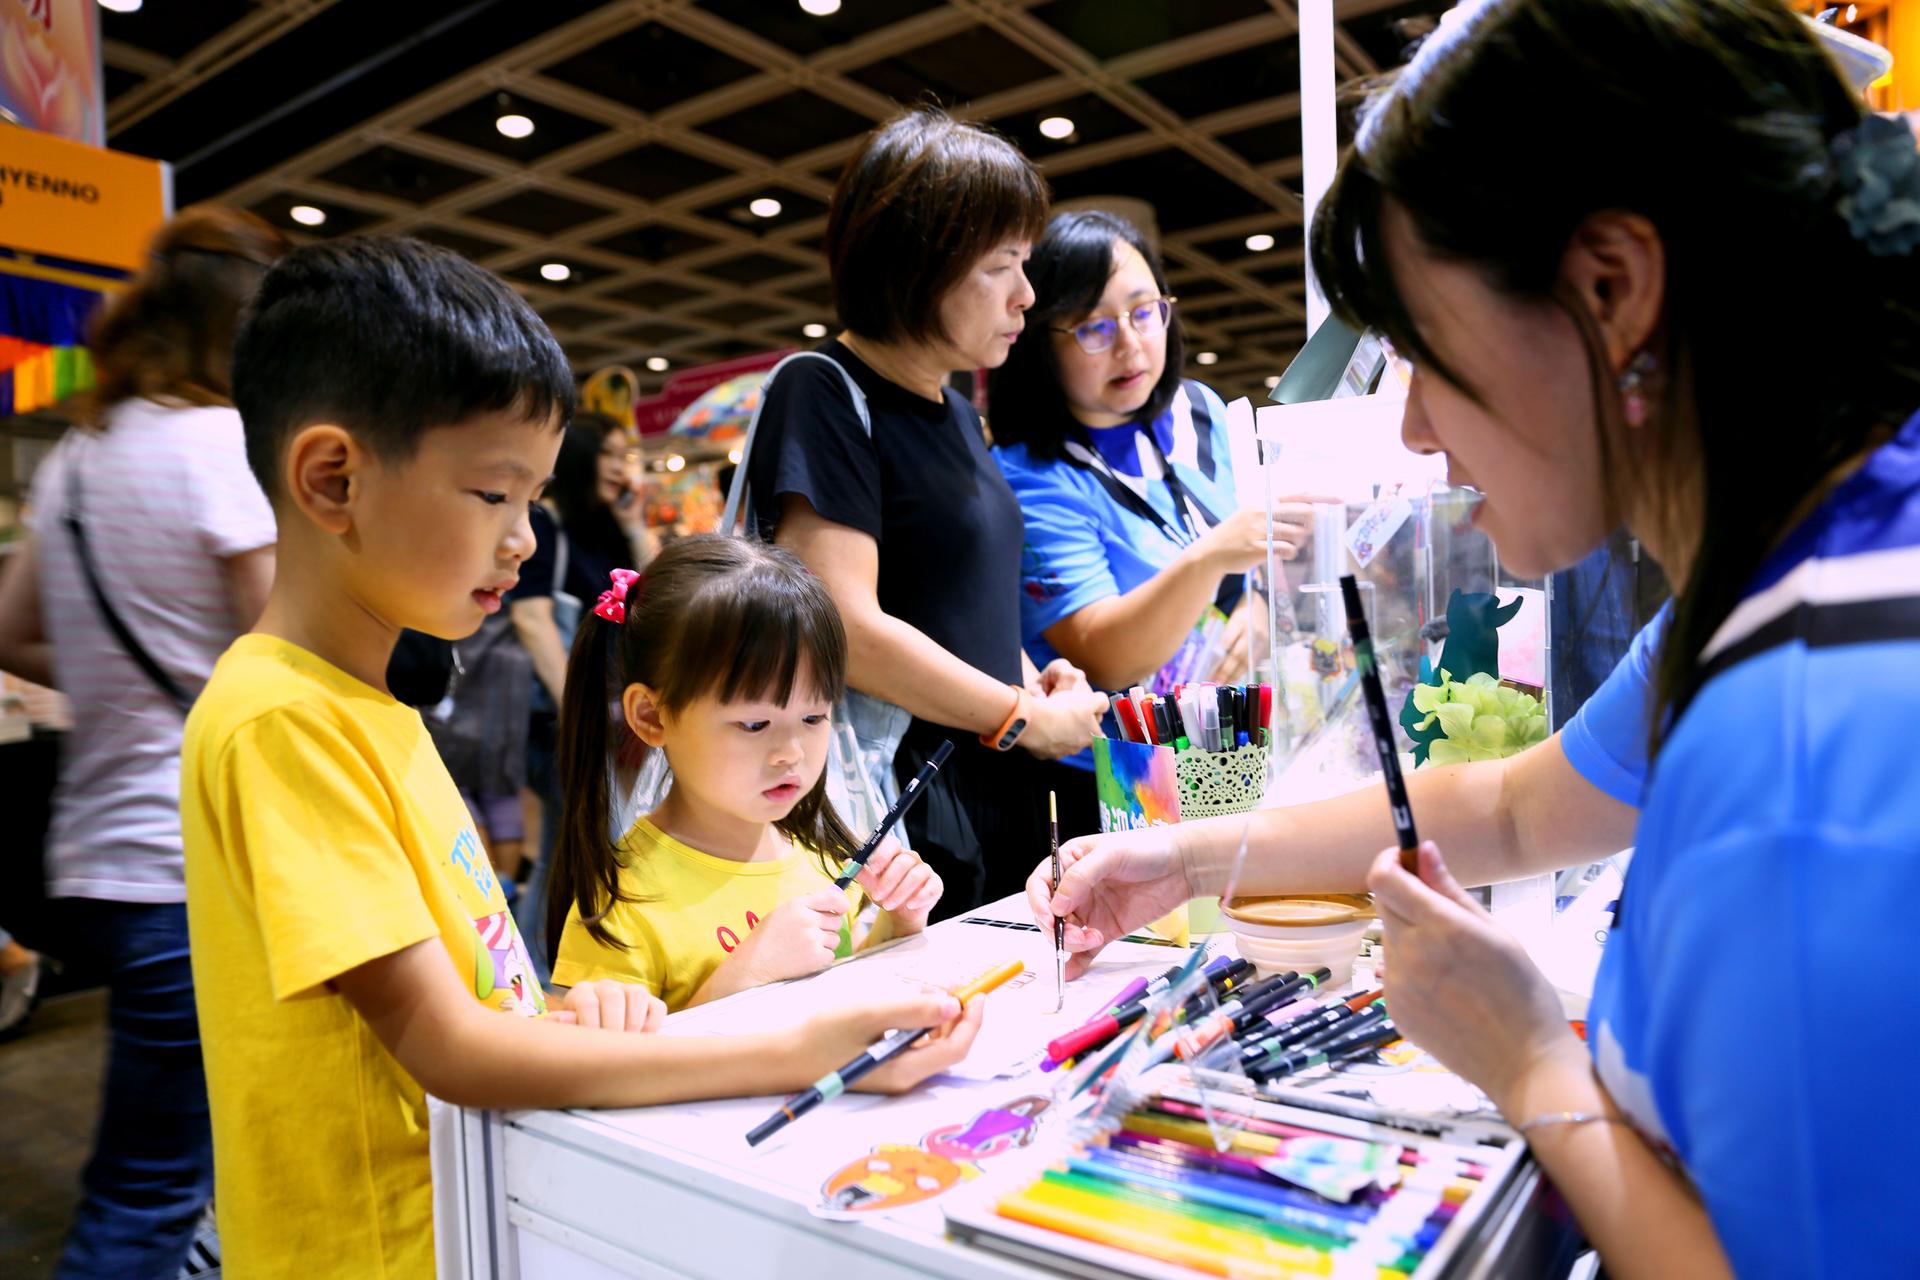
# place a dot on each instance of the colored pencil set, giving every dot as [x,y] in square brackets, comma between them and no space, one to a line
[1197,717]
[1284,1199]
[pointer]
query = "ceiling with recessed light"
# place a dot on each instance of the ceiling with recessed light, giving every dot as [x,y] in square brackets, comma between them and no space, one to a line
[653,174]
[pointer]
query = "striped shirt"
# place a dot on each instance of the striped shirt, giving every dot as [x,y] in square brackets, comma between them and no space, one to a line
[167,497]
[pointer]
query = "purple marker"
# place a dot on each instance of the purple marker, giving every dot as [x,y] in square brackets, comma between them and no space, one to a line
[1123,997]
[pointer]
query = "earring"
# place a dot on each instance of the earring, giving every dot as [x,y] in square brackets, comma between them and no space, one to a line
[1633,387]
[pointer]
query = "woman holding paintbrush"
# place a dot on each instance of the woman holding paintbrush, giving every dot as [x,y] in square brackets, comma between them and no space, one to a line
[1602,303]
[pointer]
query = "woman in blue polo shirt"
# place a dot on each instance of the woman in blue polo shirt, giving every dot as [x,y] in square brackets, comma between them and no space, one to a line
[1604,303]
[1135,558]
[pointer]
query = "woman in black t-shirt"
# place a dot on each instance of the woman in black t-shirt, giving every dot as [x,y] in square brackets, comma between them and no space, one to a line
[912,527]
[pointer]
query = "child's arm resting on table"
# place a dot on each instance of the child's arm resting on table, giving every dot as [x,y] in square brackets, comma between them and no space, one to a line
[905,889]
[611,1005]
[467,1054]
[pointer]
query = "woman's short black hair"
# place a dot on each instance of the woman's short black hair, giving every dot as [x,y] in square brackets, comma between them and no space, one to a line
[1069,270]
[390,338]
[924,199]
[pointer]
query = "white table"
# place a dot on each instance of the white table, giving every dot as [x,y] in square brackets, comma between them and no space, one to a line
[675,1191]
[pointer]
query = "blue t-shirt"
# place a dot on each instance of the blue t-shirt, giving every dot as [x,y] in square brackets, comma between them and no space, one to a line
[1086,543]
[1606,741]
[1753,1010]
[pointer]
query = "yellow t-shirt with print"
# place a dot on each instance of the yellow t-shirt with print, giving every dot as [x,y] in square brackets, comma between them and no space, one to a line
[694,910]
[321,832]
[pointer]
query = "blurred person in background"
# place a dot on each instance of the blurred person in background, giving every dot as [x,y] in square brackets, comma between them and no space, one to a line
[150,550]
[591,522]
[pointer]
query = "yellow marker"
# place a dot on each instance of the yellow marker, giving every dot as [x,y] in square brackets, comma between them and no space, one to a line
[997,976]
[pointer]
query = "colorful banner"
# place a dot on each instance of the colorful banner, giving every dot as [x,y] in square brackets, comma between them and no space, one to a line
[43,326]
[50,67]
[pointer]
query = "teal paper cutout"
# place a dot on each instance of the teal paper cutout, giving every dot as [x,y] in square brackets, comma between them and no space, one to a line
[1472,646]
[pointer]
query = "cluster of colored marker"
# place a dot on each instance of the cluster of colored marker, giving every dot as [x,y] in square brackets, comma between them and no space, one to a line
[1204,717]
[1282,1200]
[1274,1026]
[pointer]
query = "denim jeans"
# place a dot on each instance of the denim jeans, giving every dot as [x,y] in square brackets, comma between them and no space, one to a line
[151,1173]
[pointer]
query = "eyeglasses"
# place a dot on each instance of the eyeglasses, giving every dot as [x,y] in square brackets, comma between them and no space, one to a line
[1100,333]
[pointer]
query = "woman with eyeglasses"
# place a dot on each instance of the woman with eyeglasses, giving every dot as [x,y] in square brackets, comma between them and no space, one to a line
[1136,558]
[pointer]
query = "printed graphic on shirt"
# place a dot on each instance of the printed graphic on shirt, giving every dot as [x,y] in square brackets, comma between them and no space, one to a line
[730,940]
[469,857]
[1037,577]
[501,967]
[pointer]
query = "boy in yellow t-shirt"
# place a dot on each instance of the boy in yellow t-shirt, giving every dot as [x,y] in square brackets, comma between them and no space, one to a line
[351,947]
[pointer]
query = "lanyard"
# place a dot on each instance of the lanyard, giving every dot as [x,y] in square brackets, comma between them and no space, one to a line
[1195,519]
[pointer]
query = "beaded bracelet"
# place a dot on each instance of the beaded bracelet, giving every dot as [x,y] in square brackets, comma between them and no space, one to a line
[1568,1117]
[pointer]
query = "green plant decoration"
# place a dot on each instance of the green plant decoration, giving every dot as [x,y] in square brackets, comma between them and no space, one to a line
[1474,620]
[1478,719]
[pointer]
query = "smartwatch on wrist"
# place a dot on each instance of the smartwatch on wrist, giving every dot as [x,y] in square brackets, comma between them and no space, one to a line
[1003,738]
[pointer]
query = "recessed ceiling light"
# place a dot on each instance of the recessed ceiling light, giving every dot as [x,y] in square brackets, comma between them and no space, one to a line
[1260,243]
[676,463]
[814,330]
[819,8]
[734,456]
[1853,13]
[765,207]
[304,214]
[1207,357]
[1273,380]
[1056,127]
[555,271]
[514,125]
[121,6]
[657,363]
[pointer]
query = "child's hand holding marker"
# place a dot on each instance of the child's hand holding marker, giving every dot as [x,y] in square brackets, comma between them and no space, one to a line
[1463,988]
[799,938]
[614,1006]
[826,1041]
[901,885]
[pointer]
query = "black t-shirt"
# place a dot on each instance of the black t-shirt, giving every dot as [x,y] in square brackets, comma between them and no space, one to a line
[588,568]
[923,486]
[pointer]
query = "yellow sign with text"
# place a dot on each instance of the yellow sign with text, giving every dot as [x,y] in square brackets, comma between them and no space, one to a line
[70,200]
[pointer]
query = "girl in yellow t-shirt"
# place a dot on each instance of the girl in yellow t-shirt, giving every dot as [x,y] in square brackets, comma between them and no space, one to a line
[728,655]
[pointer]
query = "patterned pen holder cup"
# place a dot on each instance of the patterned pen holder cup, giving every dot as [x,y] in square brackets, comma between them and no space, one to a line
[1213,783]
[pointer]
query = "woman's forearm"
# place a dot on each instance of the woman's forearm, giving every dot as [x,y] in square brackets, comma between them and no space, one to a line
[898,663]
[1123,639]
[1498,820]
[1633,1207]
[539,635]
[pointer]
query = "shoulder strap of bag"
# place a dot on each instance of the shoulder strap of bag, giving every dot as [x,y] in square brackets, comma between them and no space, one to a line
[559,558]
[737,495]
[142,659]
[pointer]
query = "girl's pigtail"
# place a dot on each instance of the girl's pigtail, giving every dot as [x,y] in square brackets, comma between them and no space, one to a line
[584,875]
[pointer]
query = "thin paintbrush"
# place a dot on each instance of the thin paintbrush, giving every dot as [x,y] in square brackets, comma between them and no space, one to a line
[1059,922]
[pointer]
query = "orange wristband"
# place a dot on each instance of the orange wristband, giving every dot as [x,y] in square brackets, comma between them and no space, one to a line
[1003,738]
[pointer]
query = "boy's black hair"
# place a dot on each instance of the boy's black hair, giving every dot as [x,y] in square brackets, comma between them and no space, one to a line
[389,338]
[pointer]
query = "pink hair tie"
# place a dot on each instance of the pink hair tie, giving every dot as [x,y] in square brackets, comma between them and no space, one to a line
[613,601]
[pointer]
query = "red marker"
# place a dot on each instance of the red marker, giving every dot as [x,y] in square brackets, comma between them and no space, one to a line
[1129,718]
